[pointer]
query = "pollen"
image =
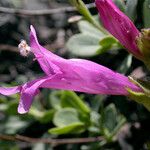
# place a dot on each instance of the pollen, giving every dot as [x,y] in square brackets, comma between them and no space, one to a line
[24,48]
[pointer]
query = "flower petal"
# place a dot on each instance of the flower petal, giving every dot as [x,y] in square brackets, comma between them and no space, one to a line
[72,74]
[80,75]
[119,25]
[29,90]
[10,90]
[43,56]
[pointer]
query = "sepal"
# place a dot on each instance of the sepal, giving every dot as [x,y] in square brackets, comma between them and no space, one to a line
[140,97]
[144,84]
[143,43]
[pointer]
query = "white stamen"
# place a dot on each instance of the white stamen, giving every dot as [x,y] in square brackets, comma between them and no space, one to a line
[24,48]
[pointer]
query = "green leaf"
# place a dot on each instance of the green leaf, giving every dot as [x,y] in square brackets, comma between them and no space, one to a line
[90,41]
[14,124]
[97,102]
[71,99]
[125,65]
[3,99]
[7,145]
[95,117]
[55,100]
[43,117]
[65,117]
[107,42]
[87,28]
[146,13]
[110,117]
[77,127]
[12,108]
[120,4]
[83,45]
[121,122]
[47,116]
[131,9]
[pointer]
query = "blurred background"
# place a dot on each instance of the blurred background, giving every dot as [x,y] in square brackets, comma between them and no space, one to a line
[95,121]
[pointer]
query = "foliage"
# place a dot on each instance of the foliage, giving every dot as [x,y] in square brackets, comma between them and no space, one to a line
[90,41]
[146,11]
[70,115]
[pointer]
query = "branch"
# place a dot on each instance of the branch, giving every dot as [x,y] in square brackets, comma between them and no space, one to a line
[40,12]
[8,47]
[50,141]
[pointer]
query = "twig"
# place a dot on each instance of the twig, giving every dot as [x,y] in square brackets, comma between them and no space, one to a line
[50,141]
[40,12]
[8,47]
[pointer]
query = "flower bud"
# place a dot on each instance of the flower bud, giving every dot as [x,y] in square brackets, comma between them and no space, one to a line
[143,42]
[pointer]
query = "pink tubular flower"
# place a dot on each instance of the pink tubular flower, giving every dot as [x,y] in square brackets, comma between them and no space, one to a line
[73,74]
[119,25]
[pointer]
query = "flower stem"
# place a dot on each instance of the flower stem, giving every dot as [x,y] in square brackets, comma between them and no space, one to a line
[81,7]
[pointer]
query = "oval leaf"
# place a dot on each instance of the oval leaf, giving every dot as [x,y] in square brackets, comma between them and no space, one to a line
[65,117]
[110,117]
[72,128]
[146,13]
[88,28]
[131,9]
[71,99]
[83,45]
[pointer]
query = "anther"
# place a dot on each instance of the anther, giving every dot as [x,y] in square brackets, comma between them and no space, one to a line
[24,49]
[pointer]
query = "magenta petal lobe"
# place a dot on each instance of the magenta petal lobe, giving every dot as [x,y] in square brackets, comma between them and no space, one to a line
[10,90]
[44,57]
